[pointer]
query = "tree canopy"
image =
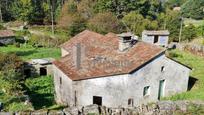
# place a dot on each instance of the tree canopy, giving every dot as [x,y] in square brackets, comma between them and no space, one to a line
[193,9]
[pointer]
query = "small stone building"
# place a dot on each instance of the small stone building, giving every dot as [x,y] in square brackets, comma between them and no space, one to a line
[115,70]
[38,67]
[160,37]
[6,37]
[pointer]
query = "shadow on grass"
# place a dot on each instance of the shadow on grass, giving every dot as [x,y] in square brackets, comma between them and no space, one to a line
[40,100]
[25,53]
[191,82]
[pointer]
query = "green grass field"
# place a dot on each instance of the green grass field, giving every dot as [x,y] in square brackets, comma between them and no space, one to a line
[194,22]
[27,52]
[197,63]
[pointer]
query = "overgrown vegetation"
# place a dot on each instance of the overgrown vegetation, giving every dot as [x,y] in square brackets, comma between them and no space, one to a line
[11,80]
[18,93]
[41,92]
[197,76]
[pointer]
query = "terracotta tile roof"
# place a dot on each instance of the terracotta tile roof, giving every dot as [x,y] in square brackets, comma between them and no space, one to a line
[6,33]
[101,56]
[154,32]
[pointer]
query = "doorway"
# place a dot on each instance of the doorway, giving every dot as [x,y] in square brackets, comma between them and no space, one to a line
[27,73]
[97,100]
[161,89]
[156,39]
[43,71]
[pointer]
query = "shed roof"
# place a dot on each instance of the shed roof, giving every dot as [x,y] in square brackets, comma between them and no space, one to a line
[102,57]
[156,32]
[6,33]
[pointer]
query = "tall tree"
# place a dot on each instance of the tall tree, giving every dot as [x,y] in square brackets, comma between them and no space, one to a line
[193,9]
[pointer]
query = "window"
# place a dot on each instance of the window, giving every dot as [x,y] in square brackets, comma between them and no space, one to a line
[130,102]
[97,100]
[146,91]
[162,69]
[60,81]
[127,38]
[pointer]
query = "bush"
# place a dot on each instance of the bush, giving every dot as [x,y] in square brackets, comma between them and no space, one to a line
[2,27]
[189,33]
[104,23]
[174,54]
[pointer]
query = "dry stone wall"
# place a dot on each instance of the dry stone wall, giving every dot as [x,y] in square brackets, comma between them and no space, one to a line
[159,108]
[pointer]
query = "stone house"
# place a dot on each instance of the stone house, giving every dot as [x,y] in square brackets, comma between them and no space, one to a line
[115,70]
[160,37]
[6,37]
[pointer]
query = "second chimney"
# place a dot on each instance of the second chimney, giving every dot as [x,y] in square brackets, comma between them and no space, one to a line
[125,41]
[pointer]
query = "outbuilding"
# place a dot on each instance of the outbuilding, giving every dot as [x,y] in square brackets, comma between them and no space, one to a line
[7,37]
[159,37]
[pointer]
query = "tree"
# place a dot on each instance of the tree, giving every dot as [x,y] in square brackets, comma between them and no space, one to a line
[77,25]
[137,23]
[122,7]
[189,33]
[193,9]
[10,74]
[171,21]
[23,10]
[175,3]
[104,23]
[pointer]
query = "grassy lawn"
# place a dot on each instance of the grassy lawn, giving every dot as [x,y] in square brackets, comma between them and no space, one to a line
[194,22]
[197,63]
[58,33]
[27,52]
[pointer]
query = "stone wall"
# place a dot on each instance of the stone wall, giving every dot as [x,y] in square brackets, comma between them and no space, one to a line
[117,90]
[193,48]
[159,108]
[7,40]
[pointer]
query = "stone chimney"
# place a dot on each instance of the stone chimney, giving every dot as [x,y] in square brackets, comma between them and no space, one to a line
[125,41]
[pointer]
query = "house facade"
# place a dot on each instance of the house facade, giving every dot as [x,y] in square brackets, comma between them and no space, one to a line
[160,37]
[6,37]
[114,74]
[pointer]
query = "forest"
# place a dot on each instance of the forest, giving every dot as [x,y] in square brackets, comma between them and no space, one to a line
[103,16]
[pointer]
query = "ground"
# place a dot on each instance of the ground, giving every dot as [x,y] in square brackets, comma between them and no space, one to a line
[196,86]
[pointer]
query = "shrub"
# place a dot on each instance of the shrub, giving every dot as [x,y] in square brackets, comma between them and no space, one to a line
[1,27]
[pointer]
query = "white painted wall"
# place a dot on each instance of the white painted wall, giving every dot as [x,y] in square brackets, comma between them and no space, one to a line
[116,90]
